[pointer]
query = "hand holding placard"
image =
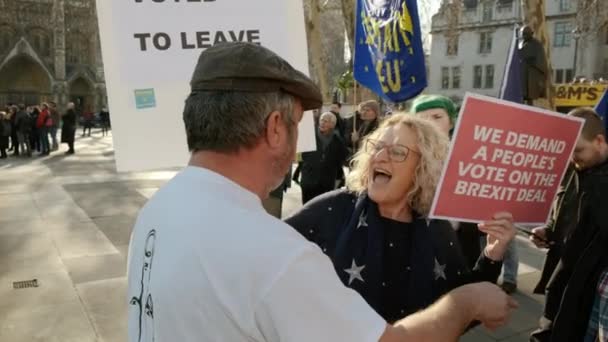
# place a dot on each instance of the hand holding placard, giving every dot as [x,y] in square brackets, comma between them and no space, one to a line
[500,232]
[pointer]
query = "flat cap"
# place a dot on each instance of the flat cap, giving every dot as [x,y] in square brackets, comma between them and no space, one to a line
[249,67]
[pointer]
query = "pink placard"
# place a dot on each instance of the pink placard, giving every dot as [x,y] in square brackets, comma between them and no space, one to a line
[504,157]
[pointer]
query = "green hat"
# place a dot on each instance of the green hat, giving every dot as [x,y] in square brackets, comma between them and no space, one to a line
[426,102]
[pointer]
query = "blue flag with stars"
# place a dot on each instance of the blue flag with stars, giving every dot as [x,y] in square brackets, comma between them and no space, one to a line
[602,108]
[389,58]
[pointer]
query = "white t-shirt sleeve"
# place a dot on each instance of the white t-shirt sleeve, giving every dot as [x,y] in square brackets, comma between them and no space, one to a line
[308,302]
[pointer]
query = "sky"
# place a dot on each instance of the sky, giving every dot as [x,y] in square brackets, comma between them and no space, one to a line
[426,10]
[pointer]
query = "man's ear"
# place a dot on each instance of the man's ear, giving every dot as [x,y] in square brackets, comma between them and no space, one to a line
[600,139]
[274,127]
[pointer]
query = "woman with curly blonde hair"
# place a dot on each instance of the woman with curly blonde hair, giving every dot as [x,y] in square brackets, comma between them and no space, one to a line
[376,230]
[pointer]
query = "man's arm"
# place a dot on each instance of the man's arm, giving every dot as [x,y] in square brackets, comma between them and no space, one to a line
[448,318]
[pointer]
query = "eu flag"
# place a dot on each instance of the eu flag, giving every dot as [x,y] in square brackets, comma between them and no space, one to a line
[602,108]
[511,88]
[389,58]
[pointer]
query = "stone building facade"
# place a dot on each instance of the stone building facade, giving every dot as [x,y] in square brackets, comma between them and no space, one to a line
[473,57]
[50,51]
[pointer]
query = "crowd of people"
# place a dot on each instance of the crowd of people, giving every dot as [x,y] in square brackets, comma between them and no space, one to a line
[576,268]
[28,131]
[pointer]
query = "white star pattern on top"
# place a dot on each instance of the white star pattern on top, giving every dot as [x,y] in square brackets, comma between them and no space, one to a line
[354,272]
[362,221]
[439,270]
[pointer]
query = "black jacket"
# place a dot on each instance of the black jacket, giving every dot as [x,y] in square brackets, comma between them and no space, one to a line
[69,126]
[22,122]
[563,220]
[324,220]
[320,168]
[571,290]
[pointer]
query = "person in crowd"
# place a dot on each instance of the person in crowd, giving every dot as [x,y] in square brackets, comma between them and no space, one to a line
[43,123]
[336,109]
[376,230]
[5,133]
[104,117]
[320,168]
[555,234]
[34,112]
[88,117]
[367,121]
[598,322]
[23,125]
[68,131]
[56,117]
[12,116]
[437,108]
[443,112]
[245,275]
[573,287]
[274,203]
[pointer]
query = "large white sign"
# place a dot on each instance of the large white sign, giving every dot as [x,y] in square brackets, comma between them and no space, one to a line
[150,49]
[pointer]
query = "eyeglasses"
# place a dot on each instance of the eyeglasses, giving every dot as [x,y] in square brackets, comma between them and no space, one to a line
[396,153]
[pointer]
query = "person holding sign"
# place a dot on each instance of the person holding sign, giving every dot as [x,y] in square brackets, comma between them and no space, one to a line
[580,236]
[207,263]
[376,231]
[442,111]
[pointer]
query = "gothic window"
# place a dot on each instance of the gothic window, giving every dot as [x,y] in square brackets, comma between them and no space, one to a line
[41,41]
[77,49]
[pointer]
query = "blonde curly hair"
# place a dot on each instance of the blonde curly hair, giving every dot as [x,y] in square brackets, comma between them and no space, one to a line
[433,146]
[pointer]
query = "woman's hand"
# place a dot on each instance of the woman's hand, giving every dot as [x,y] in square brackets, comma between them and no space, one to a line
[501,231]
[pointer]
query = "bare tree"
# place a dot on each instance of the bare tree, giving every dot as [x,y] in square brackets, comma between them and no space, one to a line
[318,61]
[348,13]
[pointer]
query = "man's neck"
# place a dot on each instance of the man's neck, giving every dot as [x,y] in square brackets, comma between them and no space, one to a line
[239,167]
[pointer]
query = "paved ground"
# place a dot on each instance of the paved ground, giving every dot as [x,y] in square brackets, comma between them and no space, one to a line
[66,221]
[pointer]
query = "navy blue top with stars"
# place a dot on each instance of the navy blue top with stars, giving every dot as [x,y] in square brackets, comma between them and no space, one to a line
[396,265]
[388,273]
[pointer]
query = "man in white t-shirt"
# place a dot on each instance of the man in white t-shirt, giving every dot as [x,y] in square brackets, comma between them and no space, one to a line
[207,263]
